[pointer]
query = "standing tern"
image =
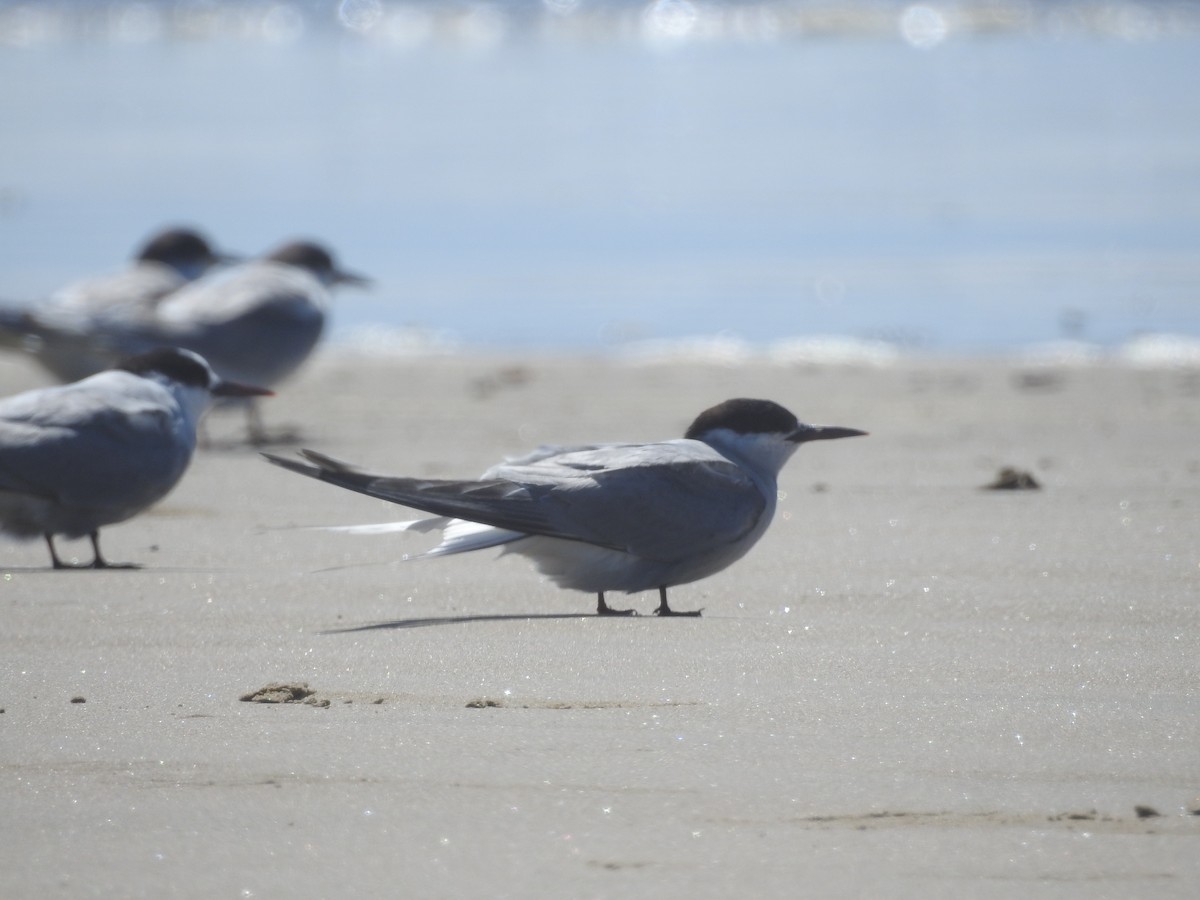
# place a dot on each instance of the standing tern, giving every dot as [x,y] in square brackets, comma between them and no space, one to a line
[256,322]
[80,456]
[611,517]
[59,330]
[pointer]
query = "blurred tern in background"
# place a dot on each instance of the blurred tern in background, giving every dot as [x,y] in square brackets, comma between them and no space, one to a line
[259,321]
[80,456]
[609,517]
[58,330]
[256,322]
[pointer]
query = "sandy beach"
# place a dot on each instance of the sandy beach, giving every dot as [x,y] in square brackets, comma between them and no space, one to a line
[912,687]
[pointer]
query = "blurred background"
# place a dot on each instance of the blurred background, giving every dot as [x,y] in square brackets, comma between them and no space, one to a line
[583,175]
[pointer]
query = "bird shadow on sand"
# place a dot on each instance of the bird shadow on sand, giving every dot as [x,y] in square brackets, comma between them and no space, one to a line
[124,568]
[430,621]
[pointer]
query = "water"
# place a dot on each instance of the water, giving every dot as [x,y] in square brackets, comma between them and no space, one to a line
[515,185]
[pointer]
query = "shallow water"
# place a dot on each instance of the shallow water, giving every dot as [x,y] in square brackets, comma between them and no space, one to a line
[573,189]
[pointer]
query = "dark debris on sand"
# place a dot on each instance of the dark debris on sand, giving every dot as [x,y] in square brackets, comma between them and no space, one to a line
[281,692]
[1010,479]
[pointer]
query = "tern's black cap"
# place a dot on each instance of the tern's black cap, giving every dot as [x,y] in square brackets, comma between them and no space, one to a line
[304,255]
[315,259]
[177,245]
[182,366]
[744,416]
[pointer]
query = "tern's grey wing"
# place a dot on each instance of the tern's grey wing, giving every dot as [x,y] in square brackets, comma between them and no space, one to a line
[74,347]
[229,295]
[97,303]
[662,511]
[82,316]
[544,453]
[66,445]
[126,296]
[88,326]
[257,327]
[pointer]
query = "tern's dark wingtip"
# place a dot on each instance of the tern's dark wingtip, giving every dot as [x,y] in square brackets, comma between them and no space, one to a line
[328,463]
[312,464]
[292,465]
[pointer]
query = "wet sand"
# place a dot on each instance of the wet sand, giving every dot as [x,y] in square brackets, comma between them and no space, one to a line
[912,687]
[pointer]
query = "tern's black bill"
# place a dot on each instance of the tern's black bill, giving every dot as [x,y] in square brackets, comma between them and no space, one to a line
[343,277]
[804,433]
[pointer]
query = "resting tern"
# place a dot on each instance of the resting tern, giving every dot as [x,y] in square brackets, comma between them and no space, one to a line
[256,322]
[80,456]
[611,517]
[59,330]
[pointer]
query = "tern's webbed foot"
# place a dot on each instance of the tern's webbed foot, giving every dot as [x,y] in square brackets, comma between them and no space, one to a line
[98,560]
[665,610]
[603,609]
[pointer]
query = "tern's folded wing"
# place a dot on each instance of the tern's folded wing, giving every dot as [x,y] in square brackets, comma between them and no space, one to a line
[250,290]
[661,511]
[66,444]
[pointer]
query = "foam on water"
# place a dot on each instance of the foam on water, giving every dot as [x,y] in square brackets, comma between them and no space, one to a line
[1150,351]
[717,349]
[832,349]
[1145,351]
[1062,353]
[378,341]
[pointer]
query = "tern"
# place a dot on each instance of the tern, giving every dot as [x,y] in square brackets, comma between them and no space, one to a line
[59,330]
[256,322]
[610,517]
[76,457]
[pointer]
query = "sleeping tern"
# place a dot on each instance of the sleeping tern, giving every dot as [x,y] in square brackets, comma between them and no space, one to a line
[76,457]
[610,517]
[58,331]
